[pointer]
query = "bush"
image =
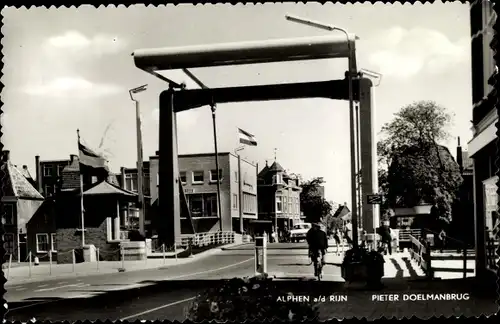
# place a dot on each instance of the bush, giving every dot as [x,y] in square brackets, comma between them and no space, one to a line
[253,299]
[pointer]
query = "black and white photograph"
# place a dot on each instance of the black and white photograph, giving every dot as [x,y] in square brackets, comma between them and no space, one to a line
[294,161]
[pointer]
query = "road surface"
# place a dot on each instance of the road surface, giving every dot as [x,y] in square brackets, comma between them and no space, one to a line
[166,293]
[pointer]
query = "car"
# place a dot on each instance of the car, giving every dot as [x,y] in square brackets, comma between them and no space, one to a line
[299,232]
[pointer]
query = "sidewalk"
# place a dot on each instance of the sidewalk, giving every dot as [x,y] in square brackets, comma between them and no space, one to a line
[44,271]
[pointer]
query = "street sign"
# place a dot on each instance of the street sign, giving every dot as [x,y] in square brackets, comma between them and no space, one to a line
[374,199]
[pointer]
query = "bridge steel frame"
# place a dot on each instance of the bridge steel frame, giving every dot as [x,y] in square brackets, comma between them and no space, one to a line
[177,99]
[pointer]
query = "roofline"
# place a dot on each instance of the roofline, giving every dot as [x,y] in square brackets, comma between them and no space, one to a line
[9,164]
[55,161]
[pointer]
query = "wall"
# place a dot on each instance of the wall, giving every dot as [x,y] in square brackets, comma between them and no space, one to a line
[43,221]
[249,187]
[68,227]
[205,163]
[26,208]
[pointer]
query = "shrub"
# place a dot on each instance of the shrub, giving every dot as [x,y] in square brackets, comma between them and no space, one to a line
[253,299]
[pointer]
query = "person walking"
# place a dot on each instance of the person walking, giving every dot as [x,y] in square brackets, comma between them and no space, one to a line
[348,233]
[338,241]
[442,240]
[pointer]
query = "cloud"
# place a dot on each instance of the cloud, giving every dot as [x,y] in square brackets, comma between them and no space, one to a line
[186,119]
[76,42]
[74,87]
[404,53]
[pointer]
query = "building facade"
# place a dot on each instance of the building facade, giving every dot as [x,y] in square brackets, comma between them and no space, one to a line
[105,213]
[198,176]
[279,196]
[49,175]
[20,201]
[128,180]
[482,148]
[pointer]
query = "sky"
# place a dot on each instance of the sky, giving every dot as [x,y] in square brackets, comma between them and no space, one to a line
[67,69]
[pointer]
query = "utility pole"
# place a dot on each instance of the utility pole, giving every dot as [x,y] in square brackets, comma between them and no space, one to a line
[140,159]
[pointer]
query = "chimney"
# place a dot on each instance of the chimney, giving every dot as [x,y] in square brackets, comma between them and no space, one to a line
[38,174]
[122,172]
[25,167]
[459,156]
[73,157]
[6,155]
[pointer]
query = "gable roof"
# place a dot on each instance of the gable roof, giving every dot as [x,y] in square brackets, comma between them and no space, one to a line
[276,167]
[16,184]
[106,188]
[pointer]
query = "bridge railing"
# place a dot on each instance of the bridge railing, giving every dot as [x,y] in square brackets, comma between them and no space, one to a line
[404,234]
[420,251]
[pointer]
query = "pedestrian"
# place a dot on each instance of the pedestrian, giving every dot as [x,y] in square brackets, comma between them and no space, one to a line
[385,232]
[348,233]
[338,243]
[442,240]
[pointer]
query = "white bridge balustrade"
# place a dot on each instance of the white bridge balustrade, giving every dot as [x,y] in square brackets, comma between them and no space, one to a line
[206,239]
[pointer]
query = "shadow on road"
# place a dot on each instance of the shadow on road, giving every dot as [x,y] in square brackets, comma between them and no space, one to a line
[114,305]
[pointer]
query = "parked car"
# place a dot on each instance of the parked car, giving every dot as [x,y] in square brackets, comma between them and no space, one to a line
[299,232]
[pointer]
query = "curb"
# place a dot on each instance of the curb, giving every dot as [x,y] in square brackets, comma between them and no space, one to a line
[115,270]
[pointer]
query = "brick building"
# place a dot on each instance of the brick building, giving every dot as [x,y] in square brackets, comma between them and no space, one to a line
[128,180]
[483,146]
[49,175]
[105,223]
[20,201]
[279,196]
[199,181]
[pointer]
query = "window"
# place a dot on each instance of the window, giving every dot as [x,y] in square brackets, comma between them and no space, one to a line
[198,176]
[285,204]
[211,205]
[53,242]
[49,190]
[196,205]
[236,176]
[42,243]
[213,175]
[94,179]
[47,170]
[131,182]
[235,201]
[9,214]
[157,179]
[249,203]
[60,169]
[279,204]
[183,176]
[8,243]
[290,207]
[278,178]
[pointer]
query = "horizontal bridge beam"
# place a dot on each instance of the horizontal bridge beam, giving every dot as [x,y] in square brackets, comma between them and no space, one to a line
[195,98]
[250,52]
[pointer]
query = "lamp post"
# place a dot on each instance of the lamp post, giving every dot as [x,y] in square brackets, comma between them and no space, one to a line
[140,170]
[240,187]
[349,74]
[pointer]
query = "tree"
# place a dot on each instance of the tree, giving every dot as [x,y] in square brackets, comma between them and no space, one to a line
[312,204]
[416,169]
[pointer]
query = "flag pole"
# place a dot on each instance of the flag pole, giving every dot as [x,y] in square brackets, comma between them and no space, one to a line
[219,207]
[81,193]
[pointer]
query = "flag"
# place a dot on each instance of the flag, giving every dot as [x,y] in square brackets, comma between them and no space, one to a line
[90,158]
[246,138]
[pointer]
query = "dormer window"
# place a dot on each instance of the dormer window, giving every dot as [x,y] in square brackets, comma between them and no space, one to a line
[278,178]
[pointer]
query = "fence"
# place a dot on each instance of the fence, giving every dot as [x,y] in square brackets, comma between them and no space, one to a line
[198,240]
[420,251]
[32,268]
[405,234]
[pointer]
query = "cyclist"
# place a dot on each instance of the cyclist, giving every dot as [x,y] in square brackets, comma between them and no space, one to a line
[317,240]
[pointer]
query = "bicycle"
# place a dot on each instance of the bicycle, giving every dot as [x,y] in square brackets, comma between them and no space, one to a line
[317,259]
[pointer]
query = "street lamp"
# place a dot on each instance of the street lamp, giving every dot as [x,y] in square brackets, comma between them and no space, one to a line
[140,170]
[349,74]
